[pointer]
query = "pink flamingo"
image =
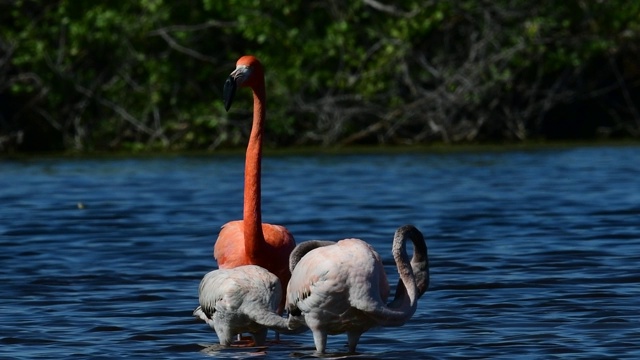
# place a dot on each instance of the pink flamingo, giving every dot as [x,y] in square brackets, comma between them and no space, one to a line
[342,287]
[249,241]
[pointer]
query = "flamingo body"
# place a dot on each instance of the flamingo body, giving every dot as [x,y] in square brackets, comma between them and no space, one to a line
[230,251]
[343,287]
[242,299]
[337,284]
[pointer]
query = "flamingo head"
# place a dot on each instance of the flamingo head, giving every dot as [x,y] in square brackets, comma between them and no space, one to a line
[248,73]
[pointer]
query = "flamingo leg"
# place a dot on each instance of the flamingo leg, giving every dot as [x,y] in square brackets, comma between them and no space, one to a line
[224,336]
[353,337]
[320,340]
[260,337]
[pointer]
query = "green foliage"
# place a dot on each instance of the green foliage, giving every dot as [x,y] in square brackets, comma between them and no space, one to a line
[148,74]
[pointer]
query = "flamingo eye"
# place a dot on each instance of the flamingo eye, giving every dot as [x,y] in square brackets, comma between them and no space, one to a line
[242,73]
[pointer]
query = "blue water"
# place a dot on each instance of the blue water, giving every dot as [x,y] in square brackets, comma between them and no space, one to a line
[534,254]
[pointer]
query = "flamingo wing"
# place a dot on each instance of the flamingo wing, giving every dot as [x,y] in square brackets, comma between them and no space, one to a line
[229,247]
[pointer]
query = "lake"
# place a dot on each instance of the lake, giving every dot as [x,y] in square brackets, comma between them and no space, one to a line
[535,254]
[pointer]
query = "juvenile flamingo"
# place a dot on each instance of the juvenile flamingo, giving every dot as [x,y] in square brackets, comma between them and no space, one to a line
[242,299]
[342,287]
[249,241]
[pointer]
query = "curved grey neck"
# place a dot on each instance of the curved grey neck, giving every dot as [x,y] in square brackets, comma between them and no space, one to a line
[303,248]
[282,325]
[414,279]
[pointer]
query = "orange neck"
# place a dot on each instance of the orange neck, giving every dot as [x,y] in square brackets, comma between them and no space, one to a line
[253,236]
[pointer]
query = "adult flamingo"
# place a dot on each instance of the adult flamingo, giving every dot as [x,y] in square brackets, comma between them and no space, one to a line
[249,241]
[342,287]
[242,299]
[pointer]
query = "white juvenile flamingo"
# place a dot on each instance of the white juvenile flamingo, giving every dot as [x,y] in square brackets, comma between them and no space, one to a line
[241,299]
[342,287]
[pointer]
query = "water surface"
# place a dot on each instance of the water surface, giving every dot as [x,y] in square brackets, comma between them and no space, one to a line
[534,254]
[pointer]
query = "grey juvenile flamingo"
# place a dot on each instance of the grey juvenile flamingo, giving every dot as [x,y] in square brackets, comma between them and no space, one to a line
[242,299]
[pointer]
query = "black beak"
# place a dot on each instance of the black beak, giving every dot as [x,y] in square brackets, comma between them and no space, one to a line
[229,92]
